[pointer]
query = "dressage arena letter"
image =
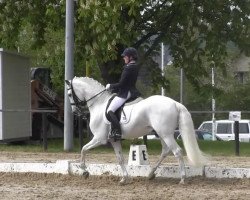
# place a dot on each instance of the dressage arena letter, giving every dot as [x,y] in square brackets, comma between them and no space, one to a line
[138,155]
[134,155]
[144,155]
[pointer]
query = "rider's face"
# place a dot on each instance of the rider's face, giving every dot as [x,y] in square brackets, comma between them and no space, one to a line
[126,59]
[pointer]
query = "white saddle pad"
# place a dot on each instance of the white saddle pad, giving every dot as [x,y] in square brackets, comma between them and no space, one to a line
[126,113]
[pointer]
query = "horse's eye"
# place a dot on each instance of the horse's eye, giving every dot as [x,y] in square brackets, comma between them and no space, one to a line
[70,95]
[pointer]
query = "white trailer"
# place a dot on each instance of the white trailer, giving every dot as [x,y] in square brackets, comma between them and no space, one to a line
[15,103]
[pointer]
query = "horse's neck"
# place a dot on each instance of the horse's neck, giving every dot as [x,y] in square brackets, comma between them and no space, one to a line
[88,94]
[85,90]
[101,98]
[98,103]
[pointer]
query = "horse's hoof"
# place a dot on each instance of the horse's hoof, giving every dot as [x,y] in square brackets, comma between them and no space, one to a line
[85,174]
[124,181]
[182,182]
[121,183]
[151,176]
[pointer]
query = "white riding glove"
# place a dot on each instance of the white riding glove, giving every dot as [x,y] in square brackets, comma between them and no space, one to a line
[108,87]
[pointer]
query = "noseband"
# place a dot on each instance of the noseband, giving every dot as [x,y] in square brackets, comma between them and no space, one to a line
[80,104]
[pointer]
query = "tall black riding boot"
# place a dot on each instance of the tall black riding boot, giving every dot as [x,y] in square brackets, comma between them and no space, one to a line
[115,126]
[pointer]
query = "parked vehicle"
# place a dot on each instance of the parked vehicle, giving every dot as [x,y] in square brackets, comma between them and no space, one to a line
[200,134]
[225,129]
[205,135]
[151,136]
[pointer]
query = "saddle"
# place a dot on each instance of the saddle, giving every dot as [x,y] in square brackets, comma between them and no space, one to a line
[124,112]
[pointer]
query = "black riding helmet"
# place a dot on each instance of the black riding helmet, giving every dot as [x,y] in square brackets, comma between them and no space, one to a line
[130,52]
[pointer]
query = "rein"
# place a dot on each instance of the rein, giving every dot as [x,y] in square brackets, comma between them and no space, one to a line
[96,95]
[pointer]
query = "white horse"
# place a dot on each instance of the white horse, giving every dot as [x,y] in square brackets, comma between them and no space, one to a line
[157,113]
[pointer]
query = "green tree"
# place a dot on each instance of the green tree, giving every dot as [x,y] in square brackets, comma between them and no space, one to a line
[36,28]
[197,31]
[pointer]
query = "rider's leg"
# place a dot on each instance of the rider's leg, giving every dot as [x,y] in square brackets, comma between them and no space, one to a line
[115,125]
[116,103]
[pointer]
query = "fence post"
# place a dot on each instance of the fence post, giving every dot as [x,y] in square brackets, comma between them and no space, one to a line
[80,131]
[89,133]
[236,116]
[44,124]
[237,142]
[145,140]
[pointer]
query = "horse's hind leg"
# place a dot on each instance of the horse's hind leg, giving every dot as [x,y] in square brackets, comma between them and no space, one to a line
[179,155]
[118,152]
[164,153]
[175,148]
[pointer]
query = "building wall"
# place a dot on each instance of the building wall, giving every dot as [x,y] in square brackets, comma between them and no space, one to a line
[242,68]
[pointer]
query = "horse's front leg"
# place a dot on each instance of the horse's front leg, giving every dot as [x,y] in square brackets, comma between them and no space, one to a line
[118,152]
[93,143]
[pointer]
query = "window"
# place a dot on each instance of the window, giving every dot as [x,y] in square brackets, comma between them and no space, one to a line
[207,136]
[224,128]
[207,127]
[243,128]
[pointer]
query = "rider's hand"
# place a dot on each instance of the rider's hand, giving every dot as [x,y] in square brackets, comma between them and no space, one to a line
[107,86]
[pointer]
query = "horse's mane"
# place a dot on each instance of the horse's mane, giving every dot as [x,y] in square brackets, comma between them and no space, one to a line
[90,81]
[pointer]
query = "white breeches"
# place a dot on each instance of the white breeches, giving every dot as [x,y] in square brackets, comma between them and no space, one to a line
[117,102]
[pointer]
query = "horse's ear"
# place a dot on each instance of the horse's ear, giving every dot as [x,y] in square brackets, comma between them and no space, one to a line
[67,82]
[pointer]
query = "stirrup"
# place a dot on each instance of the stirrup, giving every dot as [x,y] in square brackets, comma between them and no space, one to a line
[115,134]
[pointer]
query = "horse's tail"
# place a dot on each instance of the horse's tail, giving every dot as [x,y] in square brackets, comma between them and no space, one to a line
[194,154]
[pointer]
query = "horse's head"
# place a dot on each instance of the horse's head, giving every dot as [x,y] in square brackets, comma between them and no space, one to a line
[85,91]
[75,102]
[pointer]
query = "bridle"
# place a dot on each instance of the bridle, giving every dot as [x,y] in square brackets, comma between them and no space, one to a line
[80,104]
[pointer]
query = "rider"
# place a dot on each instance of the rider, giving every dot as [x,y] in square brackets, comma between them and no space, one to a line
[125,89]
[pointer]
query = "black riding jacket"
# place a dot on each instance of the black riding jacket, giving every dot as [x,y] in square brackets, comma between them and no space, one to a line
[127,82]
